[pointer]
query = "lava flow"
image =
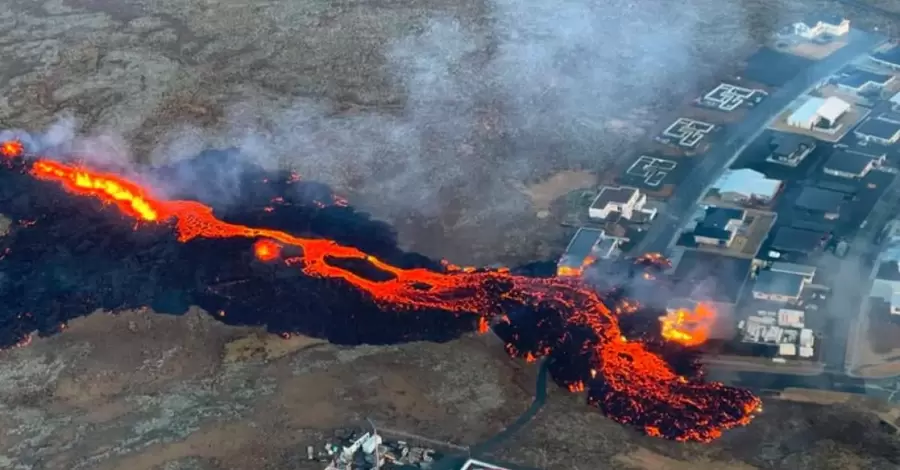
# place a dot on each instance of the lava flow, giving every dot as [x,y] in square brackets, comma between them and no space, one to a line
[630,379]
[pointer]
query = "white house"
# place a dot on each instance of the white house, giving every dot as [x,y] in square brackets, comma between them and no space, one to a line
[746,185]
[815,111]
[626,201]
[817,27]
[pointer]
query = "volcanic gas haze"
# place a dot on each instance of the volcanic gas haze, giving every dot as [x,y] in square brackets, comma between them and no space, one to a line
[630,378]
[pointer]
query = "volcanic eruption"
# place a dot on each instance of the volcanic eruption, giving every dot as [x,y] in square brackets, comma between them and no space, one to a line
[303,261]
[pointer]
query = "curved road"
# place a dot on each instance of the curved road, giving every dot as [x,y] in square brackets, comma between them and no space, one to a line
[491,443]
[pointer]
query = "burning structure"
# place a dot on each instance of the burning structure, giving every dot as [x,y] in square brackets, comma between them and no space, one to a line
[283,258]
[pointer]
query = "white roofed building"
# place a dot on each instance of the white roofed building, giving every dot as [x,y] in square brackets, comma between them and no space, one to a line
[625,201]
[818,112]
[745,186]
[820,26]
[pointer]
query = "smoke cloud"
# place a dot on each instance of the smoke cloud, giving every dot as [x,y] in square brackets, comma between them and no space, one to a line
[532,88]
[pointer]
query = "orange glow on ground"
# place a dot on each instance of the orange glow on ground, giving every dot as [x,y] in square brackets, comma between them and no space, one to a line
[636,379]
[689,327]
[11,148]
[266,250]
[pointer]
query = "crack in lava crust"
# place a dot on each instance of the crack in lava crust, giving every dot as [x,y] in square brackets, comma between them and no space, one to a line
[557,317]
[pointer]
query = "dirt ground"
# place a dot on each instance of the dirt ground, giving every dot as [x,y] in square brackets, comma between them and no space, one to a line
[145,391]
[387,101]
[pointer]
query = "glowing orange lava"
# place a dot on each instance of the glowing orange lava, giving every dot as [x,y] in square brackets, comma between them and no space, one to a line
[266,250]
[636,379]
[11,148]
[690,327]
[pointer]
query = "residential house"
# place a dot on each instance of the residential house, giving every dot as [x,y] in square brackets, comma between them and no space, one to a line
[798,241]
[807,272]
[746,186]
[862,82]
[777,286]
[819,113]
[820,201]
[889,58]
[895,101]
[851,165]
[816,27]
[883,129]
[585,247]
[627,202]
[790,149]
[719,226]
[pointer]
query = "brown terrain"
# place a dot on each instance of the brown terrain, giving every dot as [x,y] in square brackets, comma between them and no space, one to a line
[383,100]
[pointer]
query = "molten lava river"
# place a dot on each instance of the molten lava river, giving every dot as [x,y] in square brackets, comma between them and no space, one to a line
[300,276]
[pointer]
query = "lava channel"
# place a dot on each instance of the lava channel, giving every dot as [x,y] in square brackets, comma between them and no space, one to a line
[560,318]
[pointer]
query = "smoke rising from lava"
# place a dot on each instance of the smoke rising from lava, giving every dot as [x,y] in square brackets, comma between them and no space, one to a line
[529,88]
[100,241]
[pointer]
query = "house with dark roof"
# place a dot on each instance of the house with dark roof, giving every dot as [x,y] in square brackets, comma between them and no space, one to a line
[850,165]
[862,81]
[794,240]
[882,129]
[719,226]
[790,149]
[889,58]
[778,286]
[820,201]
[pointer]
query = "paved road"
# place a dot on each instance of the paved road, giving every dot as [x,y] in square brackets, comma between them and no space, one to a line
[738,136]
[481,449]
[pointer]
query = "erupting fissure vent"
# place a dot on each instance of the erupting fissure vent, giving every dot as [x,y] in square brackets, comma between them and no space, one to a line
[629,379]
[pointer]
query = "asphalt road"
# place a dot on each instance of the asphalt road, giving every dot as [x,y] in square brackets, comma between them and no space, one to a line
[481,449]
[738,136]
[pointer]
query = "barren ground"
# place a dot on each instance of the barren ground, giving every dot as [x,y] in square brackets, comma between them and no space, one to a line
[142,391]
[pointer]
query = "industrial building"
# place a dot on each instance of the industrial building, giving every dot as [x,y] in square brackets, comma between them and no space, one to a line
[851,165]
[883,129]
[621,202]
[818,27]
[746,186]
[790,149]
[819,113]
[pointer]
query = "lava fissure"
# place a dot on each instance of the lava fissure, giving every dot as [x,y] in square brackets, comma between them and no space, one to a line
[632,380]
